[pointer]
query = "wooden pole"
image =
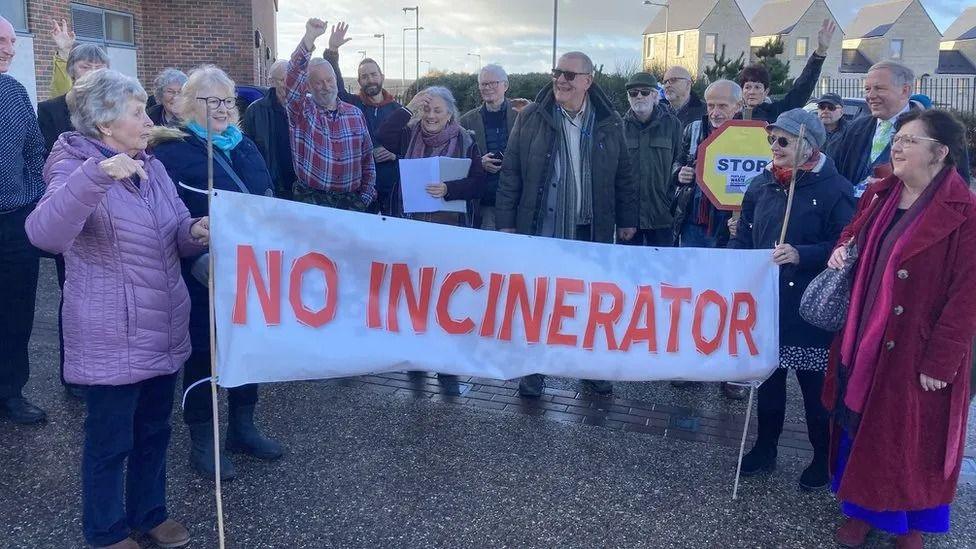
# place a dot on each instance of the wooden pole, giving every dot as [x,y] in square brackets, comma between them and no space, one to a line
[789,199]
[742,444]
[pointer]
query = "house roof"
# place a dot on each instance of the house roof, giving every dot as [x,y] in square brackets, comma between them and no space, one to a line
[852,60]
[690,16]
[778,16]
[954,62]
[964,27]
[875,20]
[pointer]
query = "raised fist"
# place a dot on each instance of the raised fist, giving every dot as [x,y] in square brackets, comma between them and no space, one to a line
[315,28]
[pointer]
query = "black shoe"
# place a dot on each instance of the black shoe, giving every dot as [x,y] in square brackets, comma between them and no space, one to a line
[734,392]
[76,391]
[19,410]
[532,385]
[760,460]
[816,476]
[202,453]
[244,438]
[598,386]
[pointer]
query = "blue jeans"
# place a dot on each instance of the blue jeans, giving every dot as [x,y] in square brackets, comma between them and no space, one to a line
[693,236]
[125,422]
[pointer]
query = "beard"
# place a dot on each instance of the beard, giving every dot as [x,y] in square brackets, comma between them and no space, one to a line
[372,89]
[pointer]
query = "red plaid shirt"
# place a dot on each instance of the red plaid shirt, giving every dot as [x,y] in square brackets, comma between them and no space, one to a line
[332,150]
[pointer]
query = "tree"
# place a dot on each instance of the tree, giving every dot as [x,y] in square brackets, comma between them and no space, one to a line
[724,68]
[779,72]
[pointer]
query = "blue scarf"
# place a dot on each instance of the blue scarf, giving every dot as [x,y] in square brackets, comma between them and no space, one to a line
[226,141]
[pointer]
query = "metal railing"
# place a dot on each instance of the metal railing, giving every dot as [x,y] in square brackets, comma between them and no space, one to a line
[949,92]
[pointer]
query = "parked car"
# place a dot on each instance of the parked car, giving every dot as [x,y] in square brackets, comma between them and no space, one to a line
[853,107]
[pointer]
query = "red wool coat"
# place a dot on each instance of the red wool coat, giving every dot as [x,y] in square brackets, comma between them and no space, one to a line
[909,445]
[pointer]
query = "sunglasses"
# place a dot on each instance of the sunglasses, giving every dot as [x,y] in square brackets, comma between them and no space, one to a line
[568,75]
[827,107]
[642,93]
[781,141]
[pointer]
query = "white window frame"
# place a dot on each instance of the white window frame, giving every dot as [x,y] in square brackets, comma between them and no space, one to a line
[714,36]
[105,40]
[679,45]
[649,46]
[901,49]
[805,40]
[25,28]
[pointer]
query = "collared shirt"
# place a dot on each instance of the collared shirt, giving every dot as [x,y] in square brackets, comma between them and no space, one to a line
[573,133]
[883,130]
[21,149]
[332,149]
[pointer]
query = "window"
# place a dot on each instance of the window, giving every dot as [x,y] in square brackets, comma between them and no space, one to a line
[15,11]
[679,45]
[801,46]
[98,25]
[896,47]
[711,41]
[650,46]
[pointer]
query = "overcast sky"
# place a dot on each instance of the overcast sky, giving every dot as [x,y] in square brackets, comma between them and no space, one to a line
[515,33]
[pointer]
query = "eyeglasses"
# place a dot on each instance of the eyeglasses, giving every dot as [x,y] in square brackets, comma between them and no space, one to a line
[675,80]
[492,84]
[215,102]
[827,107]
[171,93]
[642,93]
[781,141]
[908,140]
[568,75]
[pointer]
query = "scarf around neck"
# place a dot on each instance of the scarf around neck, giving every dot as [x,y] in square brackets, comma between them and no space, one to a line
[573,209]
[783,176]
[446,142]
[226,141]
[368,101]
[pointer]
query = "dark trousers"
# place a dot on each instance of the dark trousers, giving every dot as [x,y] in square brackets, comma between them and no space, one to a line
[198,407]
[125,423]
[772,408]
[19,264]
[660,238]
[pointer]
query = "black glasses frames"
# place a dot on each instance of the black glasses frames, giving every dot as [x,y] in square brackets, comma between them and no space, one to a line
[781,141]
[568,75]
[642,93]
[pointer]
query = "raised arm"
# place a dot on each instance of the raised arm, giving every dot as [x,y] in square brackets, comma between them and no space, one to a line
[296,81]
[804,85]
[337,38]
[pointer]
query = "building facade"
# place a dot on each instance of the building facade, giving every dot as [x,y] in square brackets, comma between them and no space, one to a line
[694,33]
[901,31]
[797,23]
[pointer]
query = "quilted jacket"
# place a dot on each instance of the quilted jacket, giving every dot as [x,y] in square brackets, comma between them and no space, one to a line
[126,308]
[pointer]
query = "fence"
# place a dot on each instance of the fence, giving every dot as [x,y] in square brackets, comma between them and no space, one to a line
[950,92]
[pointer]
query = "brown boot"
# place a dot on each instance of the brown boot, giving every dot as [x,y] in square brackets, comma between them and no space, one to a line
[911,540]
[852,533]
[127,543]
[170,534]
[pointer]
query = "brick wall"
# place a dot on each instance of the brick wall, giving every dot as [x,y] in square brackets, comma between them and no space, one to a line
[39,16]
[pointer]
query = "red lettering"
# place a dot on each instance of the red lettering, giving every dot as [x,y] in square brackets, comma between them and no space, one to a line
[676,295]
[495,282]
[532,318]
[643,310]
[743,325]
[706,346]
[607,319]
[377,273]
[560,311]
[314,260]
[419,309]
[451,284]
[269,296]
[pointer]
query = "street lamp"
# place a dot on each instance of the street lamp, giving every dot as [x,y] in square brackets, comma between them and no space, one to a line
[363,52]
[555,20]
[403,51]
[416,10]
[383,37]
[478,55]
[667,26]
[428,66]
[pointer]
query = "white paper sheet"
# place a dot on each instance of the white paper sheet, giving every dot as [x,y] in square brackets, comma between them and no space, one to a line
[417,173]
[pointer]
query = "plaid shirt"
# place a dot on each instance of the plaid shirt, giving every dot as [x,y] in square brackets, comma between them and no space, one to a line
[332,150]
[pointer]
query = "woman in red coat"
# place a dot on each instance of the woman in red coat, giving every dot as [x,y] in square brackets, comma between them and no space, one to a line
[898,379]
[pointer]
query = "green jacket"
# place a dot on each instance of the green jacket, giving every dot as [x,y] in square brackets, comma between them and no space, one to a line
[654,148]
[472,120]
[522,189]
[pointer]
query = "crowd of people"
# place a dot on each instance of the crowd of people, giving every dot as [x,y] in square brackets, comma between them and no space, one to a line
[116,194]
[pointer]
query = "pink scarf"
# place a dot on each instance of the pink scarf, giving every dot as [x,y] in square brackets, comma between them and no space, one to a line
[446,142]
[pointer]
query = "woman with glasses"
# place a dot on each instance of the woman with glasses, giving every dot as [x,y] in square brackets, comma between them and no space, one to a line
[208,100]
[823,204]
[166,86]
[898,384]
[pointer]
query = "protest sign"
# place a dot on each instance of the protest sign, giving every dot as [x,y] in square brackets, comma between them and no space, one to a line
[731,156]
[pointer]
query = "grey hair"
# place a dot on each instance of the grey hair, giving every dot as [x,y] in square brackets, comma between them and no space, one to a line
[734,87]
[318,61]
[100,98]
[443,93]
[191,108]
[587,62]
[167,77]
[900,74]
[86,52]
[497,70]
[274,66]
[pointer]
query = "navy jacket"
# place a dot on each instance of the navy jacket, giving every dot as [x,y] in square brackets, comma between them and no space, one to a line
[186,162]
[822,206]
[54,118]
[798,95]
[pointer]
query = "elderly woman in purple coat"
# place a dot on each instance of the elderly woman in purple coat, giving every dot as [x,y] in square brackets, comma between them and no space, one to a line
[115,215]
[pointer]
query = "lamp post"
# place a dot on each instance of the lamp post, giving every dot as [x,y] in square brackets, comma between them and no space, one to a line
[478,55]
[555,20]
[382,36]
[416,10]
[428,66]
[403,50]
[667,27]
[363,52]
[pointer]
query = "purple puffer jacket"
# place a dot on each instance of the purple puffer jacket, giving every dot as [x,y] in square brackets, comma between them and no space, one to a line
[126,308]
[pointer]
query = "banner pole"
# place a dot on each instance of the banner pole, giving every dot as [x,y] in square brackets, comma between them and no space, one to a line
[213,347]
[742,444]
[789,199]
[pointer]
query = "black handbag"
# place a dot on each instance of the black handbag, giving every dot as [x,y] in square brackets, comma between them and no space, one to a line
[827,299]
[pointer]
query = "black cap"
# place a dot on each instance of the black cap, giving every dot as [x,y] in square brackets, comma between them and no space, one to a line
[642,80]
[831,98]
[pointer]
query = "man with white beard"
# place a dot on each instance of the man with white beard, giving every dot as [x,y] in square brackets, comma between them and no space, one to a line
[654,143]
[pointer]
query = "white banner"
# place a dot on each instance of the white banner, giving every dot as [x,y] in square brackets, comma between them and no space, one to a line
[306,292]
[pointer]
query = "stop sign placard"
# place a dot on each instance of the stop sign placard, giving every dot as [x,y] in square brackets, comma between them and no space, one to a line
[731,156]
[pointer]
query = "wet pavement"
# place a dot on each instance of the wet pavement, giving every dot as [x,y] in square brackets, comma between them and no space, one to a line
[402,460]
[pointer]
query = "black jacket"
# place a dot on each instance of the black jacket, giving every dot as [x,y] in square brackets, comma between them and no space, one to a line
[685,197]
[798,95]
[260,121]
[822,206]
[693,110]
[654,147]
[54,119]
[528,164]
[836,135]
[158,115]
